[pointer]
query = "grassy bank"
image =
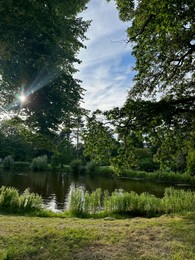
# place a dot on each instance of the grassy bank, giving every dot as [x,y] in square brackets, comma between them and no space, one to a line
[100,203]
[160,176]
[166,237]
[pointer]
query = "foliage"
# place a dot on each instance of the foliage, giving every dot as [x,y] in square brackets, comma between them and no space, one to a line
[30,201]
[99,142]
[145,160]
[191,162]
[160,176]
[92,167]
[39,44]
[39,163]
[64,153]
[18,166]
[76,201]
[75,166]
[160,105]
[106,170]
[163,35]
[81,202]
[11,201]
[174,201]
[8,162]
[23,143]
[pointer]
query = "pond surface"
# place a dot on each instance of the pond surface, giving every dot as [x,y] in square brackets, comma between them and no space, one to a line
[55,187]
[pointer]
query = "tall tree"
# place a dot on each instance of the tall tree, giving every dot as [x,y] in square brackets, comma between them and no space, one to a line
[161,104]
[99,141]
[163,37]
[39,41]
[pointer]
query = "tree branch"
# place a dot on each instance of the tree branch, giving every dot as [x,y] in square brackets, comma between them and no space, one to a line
[143,27]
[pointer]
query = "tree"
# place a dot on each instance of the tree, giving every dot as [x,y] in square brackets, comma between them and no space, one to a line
[163,40]
[12,142]
[39,41]
[64,151]
[22,143]
[99,141]
[161,104]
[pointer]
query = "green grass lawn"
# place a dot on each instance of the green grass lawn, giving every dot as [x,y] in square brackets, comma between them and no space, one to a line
[165,237]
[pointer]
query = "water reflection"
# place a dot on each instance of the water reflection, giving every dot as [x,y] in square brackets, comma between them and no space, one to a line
[55,187]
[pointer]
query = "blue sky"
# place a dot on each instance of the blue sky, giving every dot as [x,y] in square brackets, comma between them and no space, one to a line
[106,68]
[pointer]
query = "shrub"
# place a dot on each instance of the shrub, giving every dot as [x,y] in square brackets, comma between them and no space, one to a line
[8,162]
[39,163]
[21,166]
[191,162]
[75,166]
[66,168]
[106,170]
[92,167]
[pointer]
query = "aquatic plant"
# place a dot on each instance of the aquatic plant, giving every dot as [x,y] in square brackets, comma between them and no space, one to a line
[174,201]
[11,201]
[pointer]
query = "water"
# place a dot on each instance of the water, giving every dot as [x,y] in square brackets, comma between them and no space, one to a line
[55,187]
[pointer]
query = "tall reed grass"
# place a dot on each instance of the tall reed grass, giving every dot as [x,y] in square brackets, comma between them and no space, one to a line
[174,201]
[11,201]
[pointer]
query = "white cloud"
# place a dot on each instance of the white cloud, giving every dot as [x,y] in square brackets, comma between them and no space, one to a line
[105,68]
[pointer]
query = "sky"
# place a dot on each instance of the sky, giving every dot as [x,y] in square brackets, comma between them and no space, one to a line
[106,68]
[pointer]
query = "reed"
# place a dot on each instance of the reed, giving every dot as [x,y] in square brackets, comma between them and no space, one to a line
[11,201]
[174,201]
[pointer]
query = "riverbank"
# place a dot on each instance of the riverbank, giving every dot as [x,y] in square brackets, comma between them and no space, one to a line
[161,177]
[165,237]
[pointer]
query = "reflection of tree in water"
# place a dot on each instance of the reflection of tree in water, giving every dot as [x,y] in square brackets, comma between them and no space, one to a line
[55,187]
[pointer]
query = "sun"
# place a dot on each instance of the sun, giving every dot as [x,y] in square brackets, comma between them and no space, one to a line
[22,98]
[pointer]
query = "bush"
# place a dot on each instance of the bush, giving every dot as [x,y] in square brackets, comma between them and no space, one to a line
[21,166]
[66,168]
[75,166]
[92,167]
[8,162]
[191,162]
[39,163]
[106,170]
[148,165]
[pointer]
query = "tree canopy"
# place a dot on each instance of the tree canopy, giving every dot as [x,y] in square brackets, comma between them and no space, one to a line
[160,107]
[163,38]
[39,43]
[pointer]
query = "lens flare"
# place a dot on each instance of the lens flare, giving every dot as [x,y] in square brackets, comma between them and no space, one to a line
[22,98]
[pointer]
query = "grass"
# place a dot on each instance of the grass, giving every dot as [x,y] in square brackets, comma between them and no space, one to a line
[130,203]
[166,237]
[160,176]
[11,201]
